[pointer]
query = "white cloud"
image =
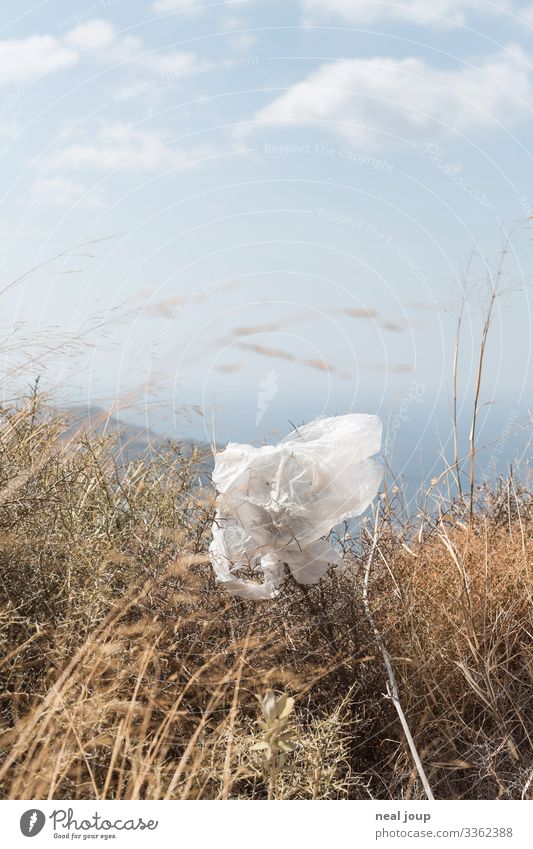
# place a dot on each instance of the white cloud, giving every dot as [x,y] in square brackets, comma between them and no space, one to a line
[110,48]
[243,41]
[118,146]
[173,63]
[197,5]
[526,14]
[94,34]
[59,191]
[176,5]
[25,59]
[8,130]
[380,100]
[435,13]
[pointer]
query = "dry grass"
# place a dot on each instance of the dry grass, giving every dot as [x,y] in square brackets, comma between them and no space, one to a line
[126,673]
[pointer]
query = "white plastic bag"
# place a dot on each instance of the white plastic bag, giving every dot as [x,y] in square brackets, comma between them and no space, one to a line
[277,503]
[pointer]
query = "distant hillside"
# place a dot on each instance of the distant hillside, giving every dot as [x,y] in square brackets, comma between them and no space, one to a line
[134,440]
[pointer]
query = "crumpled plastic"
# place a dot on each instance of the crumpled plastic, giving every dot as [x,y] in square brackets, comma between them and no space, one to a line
[276,503]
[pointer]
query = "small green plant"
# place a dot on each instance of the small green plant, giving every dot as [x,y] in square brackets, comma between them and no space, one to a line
[278,736]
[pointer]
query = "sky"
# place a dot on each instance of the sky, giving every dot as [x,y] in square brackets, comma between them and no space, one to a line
[242,215]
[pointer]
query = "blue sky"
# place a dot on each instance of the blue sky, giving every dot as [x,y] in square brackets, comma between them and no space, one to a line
[294,192]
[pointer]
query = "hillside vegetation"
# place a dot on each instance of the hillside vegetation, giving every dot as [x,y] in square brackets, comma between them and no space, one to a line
[127,673]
